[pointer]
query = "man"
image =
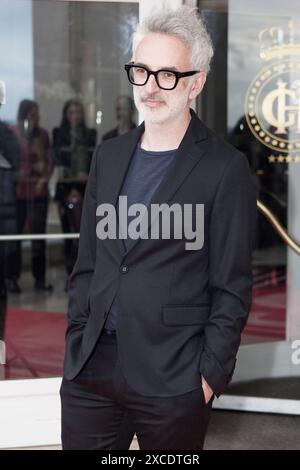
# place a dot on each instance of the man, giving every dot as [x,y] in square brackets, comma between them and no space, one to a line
[9,164]
[154,327]
[124,114]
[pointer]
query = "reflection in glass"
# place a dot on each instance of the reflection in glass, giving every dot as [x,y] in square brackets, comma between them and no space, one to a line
[252,100]
[62,65]
[73,144]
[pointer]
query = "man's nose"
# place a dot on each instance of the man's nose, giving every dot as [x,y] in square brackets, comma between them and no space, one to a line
[151,85]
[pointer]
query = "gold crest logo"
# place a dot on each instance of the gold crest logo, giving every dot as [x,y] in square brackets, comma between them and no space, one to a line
[272,106]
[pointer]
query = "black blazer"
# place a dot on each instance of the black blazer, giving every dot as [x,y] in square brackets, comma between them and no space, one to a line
[181,313]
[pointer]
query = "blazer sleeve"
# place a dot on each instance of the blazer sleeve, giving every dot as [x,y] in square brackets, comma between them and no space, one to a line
[231,241]
[81,275]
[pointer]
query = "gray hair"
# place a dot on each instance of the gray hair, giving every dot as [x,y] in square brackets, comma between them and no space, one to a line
[184,23]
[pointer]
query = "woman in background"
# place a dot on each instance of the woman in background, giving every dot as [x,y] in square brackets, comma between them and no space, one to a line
[73,146]
[9,164]
[32,194]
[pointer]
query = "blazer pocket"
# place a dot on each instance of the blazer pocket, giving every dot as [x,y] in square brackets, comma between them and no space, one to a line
[196,314]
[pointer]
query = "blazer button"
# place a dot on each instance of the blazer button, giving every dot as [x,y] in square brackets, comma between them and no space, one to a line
[124,269]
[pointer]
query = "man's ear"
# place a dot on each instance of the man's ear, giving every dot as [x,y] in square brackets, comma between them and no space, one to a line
[198,85]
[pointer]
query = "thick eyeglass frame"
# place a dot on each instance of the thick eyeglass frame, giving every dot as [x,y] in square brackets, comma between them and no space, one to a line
[178,75]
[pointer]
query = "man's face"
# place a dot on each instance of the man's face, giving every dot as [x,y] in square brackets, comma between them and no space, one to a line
[124,110]
[33,117]
[158,51]
[74,115]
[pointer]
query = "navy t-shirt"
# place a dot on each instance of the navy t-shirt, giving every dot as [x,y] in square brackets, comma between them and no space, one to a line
[144,175]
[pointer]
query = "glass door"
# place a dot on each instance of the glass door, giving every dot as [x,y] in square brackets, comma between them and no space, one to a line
[252,99]
[63,90]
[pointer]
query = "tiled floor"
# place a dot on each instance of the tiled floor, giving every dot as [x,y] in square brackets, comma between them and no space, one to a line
[253,431]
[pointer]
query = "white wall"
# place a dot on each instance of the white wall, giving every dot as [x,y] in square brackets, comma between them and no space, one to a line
[17,49]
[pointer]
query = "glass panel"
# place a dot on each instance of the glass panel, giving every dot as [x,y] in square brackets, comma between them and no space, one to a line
[252,99]
[33,322]
[63,90]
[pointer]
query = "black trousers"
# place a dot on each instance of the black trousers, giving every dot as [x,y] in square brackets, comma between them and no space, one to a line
[99,403]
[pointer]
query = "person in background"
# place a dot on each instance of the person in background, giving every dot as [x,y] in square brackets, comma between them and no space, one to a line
[124,112]
[73,145]
[31,194]
[9,163]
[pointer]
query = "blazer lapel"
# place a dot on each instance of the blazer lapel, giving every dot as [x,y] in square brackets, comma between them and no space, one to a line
[186,157]
[116,163]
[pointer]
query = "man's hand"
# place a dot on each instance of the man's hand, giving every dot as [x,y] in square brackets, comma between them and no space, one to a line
[208,392]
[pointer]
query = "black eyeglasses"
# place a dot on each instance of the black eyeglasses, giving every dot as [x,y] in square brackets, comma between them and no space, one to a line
[165,79]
